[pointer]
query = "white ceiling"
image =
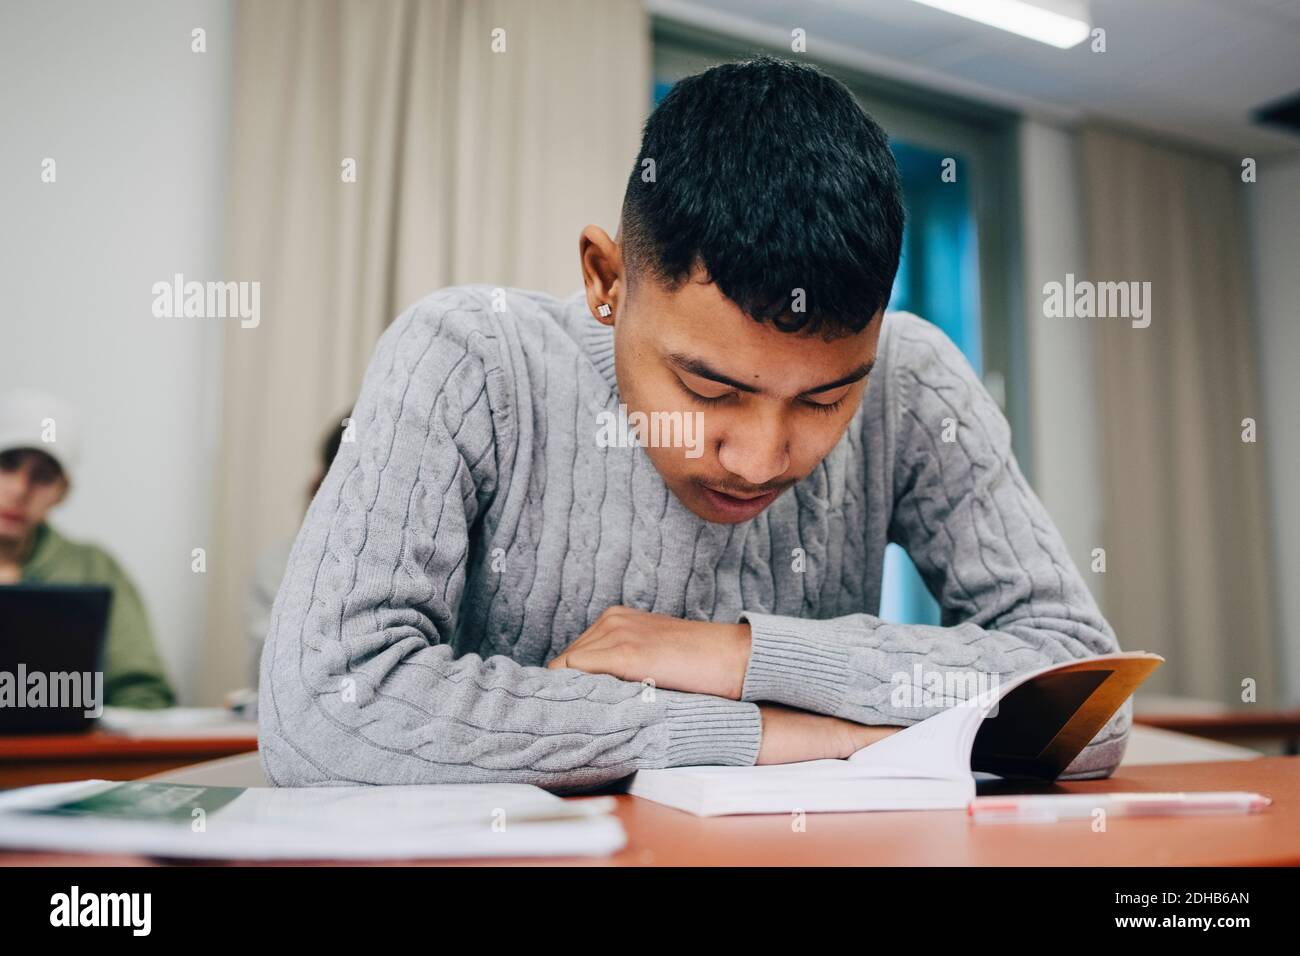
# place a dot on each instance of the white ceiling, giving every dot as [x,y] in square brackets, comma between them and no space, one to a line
[1190,69]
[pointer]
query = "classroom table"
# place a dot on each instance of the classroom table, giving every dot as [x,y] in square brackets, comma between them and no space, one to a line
[1233,726]
[103,755]
[661,836]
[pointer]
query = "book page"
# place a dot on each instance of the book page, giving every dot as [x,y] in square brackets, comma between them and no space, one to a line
[934,747]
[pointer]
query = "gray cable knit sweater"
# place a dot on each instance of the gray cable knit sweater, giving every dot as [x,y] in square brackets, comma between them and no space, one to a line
[475,527]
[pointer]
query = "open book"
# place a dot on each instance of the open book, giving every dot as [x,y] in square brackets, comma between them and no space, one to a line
[307,823]
[1031,726]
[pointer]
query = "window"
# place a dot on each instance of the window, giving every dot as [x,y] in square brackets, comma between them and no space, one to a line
[938,279]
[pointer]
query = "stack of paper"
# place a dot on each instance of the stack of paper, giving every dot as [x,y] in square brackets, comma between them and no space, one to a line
[307,823]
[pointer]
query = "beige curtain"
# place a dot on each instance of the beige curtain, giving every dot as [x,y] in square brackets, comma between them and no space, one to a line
[473,164]
[1188,571]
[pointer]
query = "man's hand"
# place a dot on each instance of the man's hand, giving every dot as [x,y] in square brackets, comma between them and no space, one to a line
[698,657]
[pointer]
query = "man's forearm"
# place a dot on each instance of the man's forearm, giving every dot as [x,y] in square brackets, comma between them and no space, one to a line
[791,735]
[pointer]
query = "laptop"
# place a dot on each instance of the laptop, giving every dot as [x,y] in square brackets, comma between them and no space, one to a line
[51,655]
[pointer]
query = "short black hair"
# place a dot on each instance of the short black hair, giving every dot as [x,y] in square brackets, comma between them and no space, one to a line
[769,175]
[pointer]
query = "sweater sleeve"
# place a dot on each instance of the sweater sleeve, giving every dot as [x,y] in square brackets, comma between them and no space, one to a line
[1011,598]
[360,680]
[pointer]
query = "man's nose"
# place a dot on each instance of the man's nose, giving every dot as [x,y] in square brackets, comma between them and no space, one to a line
[758,452]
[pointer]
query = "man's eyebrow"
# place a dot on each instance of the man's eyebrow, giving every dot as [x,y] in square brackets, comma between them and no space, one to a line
[701,368]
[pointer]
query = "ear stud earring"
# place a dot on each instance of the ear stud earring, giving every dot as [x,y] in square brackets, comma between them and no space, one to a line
[604,310]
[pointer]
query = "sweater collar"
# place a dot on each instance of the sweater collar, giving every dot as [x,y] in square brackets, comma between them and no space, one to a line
[594,337]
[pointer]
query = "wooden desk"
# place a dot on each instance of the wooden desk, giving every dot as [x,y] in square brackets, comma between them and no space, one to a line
[1234,726]
[54,758]
[659,836]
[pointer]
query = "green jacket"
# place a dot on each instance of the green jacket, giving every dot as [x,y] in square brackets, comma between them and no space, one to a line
[133,672]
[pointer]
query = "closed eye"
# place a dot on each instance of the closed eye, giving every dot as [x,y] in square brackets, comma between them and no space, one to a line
[704,399]
[828,407]
[825,408]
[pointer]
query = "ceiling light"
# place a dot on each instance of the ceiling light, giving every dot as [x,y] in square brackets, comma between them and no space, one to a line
[1061,23]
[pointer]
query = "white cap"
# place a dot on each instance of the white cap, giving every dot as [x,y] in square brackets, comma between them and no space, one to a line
[30,419]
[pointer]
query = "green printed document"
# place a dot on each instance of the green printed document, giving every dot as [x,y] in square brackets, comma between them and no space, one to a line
[307,823]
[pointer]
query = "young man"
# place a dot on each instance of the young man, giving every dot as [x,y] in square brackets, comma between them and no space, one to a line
[34,478]
[487,589]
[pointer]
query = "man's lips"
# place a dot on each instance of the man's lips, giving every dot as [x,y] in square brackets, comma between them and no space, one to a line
[745,497]
[734,506]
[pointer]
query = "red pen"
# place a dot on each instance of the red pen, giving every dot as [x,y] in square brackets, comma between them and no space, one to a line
[1049,808]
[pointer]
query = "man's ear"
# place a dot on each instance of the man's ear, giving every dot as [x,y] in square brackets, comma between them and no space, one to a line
[602,273]
[64,487]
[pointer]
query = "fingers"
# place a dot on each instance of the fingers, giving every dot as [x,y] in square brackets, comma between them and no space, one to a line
[604,628]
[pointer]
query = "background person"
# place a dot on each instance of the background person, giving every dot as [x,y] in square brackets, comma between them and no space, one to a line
[37,455]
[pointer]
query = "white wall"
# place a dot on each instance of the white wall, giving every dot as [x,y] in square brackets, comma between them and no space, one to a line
[1273,209]
[1062,402]
[137,125]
